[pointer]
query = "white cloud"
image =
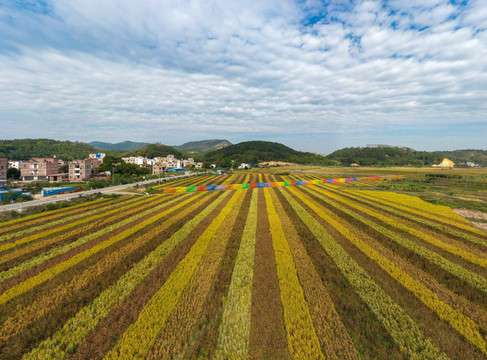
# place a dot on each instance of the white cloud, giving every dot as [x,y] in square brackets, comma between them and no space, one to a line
[172,71]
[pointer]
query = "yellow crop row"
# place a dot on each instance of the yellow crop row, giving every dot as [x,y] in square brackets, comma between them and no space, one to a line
[424,214]
[332,334]
[458,321]
[16,323]
[49,213]
[234,332]
[58,229]
[174,338]
[141,336]
[57,269]
[447,265]
[412,230]
[302,340]
[67,339]
[82,230]
[61,250]
[402,328]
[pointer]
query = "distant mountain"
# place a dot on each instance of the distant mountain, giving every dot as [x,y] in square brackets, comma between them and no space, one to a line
[203,145]
[125,145]
[253,152]
[24,149]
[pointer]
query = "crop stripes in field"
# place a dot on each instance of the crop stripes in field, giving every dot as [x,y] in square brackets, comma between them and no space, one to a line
[451,246]
[449,225]
[43,217]
[332,334]
[57,269]
[401,327]
[48,214]
[111,210]
[52,253]
[464,325]
[23,317]
[234,332]
[466,275]
[173,340]
[141,336]
[83,218]
[103,221]
[415,205]
[77,328]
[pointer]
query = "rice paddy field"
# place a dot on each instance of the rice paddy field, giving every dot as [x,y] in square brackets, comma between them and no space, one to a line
[324,271]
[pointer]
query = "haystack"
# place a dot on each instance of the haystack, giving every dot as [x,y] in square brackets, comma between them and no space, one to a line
[446,163]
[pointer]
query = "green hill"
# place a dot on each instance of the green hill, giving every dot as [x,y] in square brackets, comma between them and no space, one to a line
[253,152]
[155,150]
[125,145]
[384,156]
[461,157]
[397,156]
[203,145]
[24,149]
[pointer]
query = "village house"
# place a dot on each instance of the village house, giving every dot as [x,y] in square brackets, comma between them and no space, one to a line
[81,170]
[39,169]
[3,169]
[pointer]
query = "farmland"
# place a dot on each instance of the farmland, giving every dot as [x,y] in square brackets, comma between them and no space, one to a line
[281,272]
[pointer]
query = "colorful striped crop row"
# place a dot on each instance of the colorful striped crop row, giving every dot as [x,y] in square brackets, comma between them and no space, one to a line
[466,275]
[57,269]
[28,239]
[261,184]
[332,334]
[52,253]
[141,336]
[22,318]
[401,327]
[77,328]
[461,323]
[175,336]
[401,225]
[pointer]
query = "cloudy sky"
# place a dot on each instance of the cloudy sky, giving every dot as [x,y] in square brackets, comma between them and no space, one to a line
[314,75]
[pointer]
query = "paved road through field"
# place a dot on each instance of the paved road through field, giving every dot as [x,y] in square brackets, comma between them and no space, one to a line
[111,189]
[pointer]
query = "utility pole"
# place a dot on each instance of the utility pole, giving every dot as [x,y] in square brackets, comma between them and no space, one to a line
[113,174]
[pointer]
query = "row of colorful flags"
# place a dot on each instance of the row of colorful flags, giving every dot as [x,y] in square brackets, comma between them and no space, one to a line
[188,189]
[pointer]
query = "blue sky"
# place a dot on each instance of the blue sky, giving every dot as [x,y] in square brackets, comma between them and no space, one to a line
[314,75]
